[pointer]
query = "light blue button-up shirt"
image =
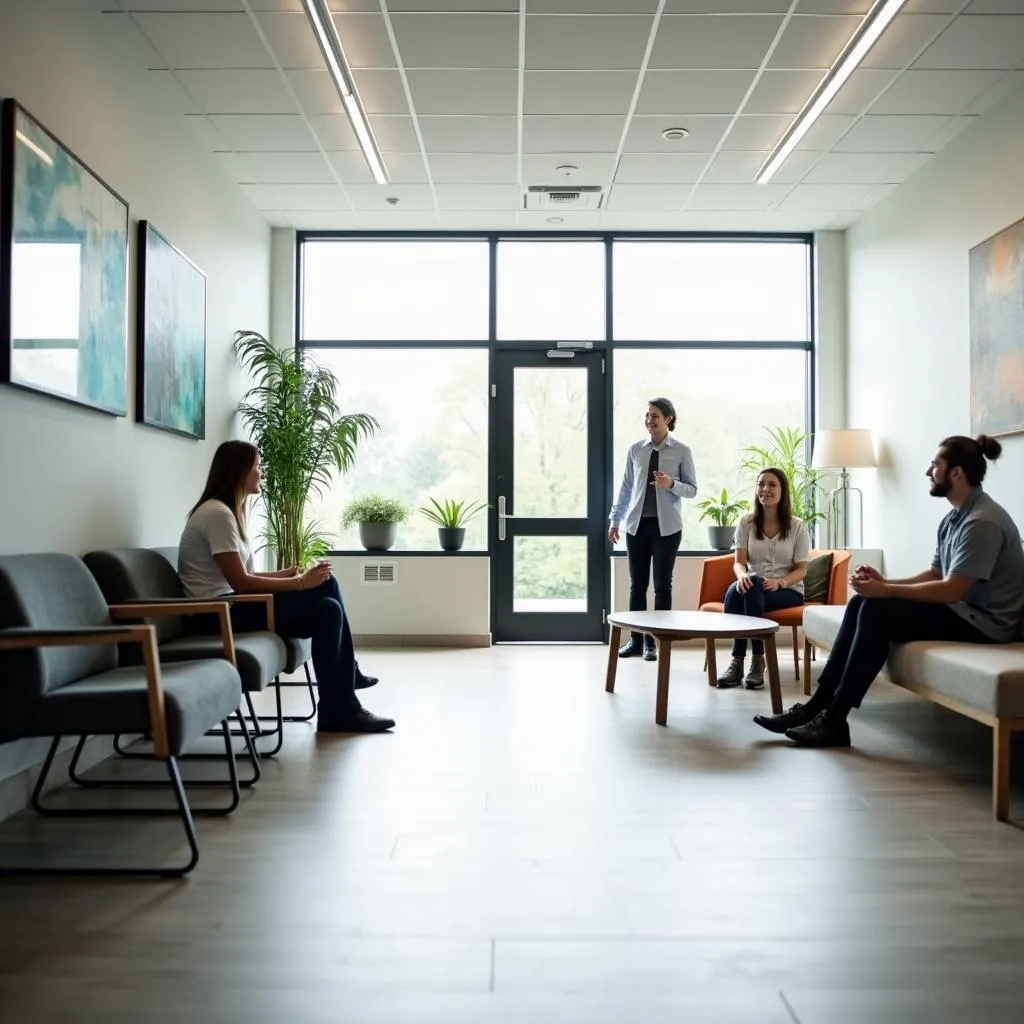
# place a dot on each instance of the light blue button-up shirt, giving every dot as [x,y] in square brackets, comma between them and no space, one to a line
[674,460]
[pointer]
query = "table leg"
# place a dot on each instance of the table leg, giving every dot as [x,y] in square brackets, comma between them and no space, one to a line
[709,650]
[774,684]
[664,657]
[613,658]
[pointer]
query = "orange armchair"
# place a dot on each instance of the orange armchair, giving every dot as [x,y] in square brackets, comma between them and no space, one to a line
[716,575]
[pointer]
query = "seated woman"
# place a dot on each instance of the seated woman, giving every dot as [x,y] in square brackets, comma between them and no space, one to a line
[772,546]
[214,559]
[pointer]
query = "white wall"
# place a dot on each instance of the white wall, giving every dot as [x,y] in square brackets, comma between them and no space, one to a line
[909,328]
[74,479]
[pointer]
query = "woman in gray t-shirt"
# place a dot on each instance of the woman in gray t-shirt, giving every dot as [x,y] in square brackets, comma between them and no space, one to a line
[772,547]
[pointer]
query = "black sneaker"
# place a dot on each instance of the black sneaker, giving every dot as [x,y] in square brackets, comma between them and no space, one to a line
[823,730]
[650,651]
[356,721]
[632,648]
[798,714]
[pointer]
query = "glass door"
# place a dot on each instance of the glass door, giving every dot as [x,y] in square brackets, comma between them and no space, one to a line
[549,532]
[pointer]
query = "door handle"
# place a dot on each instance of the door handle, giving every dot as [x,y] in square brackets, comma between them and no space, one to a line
[502,516]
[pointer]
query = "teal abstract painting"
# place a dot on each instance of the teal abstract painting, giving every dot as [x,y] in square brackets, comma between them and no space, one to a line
[171,337]
[63,271]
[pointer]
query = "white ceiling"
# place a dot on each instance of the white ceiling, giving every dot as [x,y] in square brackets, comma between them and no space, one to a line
[473,100]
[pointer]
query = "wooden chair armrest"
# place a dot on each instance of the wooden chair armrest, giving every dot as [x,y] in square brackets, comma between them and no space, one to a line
[156,609]
[26,638]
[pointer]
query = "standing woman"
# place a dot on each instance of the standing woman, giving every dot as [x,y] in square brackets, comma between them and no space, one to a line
[214,559]
[772,548]
[659,473]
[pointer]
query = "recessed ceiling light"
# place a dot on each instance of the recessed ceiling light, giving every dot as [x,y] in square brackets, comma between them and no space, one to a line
[674,134]
[555,220]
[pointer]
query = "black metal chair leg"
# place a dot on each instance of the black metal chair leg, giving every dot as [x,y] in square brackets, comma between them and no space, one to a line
[309,684]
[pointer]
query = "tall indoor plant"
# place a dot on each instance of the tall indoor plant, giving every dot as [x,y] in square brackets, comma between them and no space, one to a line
[293,418]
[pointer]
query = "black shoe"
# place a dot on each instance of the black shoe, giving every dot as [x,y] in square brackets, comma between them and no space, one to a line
[823,730]
[798,714]
[364,682]
[358,721]
[650,651]
[632,648]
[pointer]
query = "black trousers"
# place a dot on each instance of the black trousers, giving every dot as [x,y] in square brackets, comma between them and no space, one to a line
[862,645]
[643,548]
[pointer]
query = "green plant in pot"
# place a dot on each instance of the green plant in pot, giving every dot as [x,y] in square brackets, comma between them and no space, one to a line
[451,517]
[378,518]
[292,415]
[723,512]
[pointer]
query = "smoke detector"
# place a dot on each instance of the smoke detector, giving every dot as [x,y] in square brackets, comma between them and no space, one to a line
[675,134]
[566,170]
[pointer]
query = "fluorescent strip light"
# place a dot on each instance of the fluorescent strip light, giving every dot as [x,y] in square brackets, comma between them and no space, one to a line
[28,143]
[334,56]
[874,24]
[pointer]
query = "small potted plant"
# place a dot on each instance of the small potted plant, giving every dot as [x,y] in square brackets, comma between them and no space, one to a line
[378,520]
[451,518]
[723,512]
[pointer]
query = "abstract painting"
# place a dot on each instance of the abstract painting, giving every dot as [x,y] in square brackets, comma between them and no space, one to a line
[171,376]
[997,333]
[63,271]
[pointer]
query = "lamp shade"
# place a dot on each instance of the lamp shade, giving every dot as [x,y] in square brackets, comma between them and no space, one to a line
[843,449]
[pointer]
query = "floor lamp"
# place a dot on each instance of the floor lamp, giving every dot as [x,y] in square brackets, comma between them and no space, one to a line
[843,450]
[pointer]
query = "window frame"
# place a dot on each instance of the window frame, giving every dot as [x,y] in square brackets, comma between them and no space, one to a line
[607,345]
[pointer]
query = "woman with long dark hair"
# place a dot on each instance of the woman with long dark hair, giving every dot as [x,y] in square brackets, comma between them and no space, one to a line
[214,559]
[772,547]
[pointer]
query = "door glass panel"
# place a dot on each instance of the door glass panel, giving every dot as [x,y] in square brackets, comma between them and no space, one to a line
[550,574]
[550,425]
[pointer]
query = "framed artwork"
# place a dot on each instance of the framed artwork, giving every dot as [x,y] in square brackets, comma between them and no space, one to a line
[997,333]
[63,270]
[171,338]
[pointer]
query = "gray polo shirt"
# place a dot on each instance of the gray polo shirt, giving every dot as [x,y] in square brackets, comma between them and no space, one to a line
[981,541]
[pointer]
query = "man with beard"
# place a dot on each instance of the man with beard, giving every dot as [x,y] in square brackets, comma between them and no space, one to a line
[973,593]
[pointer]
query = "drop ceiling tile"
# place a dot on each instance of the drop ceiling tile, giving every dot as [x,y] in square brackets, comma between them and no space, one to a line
[663,167]
[782,92]
[992,41]
[813,41]
[365,39]
[375,197]
[291,40]
[891,134]
[874,195]
[1006,85]
[591,6]
[598,43]
[238,92]
[300,197]
[827,131]
[736,197]
[173,5]
[756,132]
[741,167]
[592,168]
[577,92]
[392,133]
[851,168]
[950,130]
[205,40]
[381,92]
[732,6]
[402,168]
[497,168]
[693,92]
[468,198]
[468,134]
[455,40]
[665,198]
[904,39]
[464,92]
[698,41]
[932,6]
[172,92]
[860,90]
[834,6]
[935,92]
[580,134]
[287,168]
[495,6]
[705,131]
[994,7]
[261,132]
[823,197]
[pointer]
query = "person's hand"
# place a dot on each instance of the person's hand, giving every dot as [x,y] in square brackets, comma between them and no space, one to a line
[870,585]
[772,584]
[613,534]
[744,583]
[863,573]
[315,575]
[662,480]
[292,570]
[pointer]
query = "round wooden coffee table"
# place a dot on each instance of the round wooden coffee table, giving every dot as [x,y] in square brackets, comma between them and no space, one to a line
[707,626]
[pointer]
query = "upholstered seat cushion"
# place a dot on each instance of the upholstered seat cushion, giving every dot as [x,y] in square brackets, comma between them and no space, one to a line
[196,696]
[822,622]
[261,655]
[784,616]
[298,651]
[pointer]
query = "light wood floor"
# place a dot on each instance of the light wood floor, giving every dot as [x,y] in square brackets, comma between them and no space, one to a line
[527,848]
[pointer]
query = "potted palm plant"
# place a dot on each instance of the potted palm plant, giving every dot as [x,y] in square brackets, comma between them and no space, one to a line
[723,511]
[292,415]
[378,518]
[451,517]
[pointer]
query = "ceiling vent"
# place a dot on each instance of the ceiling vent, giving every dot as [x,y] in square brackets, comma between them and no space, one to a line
[563,197]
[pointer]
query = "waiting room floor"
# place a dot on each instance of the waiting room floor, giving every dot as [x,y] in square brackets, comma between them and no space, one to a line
[527,848]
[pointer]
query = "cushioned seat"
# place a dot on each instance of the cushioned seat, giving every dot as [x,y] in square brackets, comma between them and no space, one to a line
[261,656]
